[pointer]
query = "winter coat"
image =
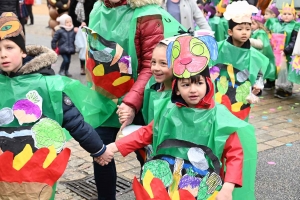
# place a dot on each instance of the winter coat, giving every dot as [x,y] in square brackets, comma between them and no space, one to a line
[29,2]
[88,7]
[288,50]
[39,60]
[149,32]
[64,40]
[9,6]
[190,12]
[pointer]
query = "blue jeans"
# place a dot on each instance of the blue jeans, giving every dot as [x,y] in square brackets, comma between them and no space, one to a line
[106,176]
[65,63]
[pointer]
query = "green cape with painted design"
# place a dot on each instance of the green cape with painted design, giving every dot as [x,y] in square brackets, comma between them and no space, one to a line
[209,127]
[267,51]
[119,25]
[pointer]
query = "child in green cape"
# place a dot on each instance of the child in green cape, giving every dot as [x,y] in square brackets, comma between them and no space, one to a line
[240,66]
[260,40]
[186,125]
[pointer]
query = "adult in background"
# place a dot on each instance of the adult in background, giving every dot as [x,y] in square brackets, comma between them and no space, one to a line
[79,11]
[9,6]
[29,4]
[186,12]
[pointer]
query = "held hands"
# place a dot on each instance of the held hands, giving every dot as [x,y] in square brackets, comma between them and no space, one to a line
[255,90]
[226,192]
[126,115]
[108,155]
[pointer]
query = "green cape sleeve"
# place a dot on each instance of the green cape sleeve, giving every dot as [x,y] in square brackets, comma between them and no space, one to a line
[268,52]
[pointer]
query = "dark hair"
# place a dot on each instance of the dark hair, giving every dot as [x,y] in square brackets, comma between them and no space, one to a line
[194,79]
[232,24]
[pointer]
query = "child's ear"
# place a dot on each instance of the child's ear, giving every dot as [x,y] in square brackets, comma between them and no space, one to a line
[177,92]
[24,55]
[229,32]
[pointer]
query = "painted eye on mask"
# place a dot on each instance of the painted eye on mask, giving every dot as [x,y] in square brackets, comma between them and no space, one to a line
[5,28]
[196,47]
[176,50]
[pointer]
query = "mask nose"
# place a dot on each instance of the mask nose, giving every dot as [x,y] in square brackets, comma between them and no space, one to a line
[185,61]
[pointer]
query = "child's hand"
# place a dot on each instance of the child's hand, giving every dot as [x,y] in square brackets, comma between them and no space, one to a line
[226,192]
[123,116]
[255,90]
[127,109]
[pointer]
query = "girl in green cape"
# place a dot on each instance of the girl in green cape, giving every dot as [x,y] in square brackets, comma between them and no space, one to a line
[260,40]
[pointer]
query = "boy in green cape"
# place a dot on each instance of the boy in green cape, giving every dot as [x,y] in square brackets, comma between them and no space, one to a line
[186,127]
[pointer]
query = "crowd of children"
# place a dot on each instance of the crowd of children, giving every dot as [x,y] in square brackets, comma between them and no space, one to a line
[194,154]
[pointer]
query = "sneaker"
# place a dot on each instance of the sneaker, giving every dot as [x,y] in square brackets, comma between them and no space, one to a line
[61,73]
[82,72]
[282,94]
[269,85]
[68,74]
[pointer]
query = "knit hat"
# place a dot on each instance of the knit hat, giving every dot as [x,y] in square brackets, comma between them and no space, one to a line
[62,19]
[258,17]
[11,29]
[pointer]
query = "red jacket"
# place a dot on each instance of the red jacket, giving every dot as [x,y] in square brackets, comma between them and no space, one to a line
[149,32]
[233,151]
[29,2]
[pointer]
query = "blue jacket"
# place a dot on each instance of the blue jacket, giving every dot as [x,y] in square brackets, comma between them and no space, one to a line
[64,40]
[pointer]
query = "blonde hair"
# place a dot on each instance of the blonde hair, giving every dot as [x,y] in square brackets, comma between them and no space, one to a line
[261,26]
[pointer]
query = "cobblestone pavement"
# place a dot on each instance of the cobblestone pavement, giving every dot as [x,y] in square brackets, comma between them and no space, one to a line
[276,121]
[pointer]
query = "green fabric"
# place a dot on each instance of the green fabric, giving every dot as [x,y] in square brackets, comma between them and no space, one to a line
[215,126]
[293,74]
[119,24]
[242,58]
[267,51]
[54,191]
[275,26]
[218,27]
[92,106]
[150,95]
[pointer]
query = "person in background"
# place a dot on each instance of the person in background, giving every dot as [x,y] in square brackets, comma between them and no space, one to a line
[63,39]
[29,4]
[22,14]
[9,6]
[186,12]
[79,11]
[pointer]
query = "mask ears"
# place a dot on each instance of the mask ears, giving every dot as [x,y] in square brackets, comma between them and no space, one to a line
[169,54]
[211,44]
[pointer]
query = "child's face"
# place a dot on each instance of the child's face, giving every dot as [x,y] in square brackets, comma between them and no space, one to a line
[287,16]
[10,56]
[254,25]
[159,65]
[69,22]
[269,14]
[240,33]
[192,93]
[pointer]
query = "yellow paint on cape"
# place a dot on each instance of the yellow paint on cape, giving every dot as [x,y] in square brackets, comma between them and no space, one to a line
[231,74]
[175,195]
[50,157]
[23,157]
[236,107]
[146,182]
[121,80]
[218,97]
[213,196]
[98,70]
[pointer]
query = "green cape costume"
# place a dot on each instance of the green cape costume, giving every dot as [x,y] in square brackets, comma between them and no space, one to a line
[217,24]
[172,122]
[274,25]
[119,25]
[238,73]
[267,51]
[150,95]
[15,92]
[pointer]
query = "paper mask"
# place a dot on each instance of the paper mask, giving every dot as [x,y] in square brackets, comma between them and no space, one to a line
[190,55]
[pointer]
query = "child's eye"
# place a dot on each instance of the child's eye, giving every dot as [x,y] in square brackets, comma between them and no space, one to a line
[152,62]
[164,63]
[200,83]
